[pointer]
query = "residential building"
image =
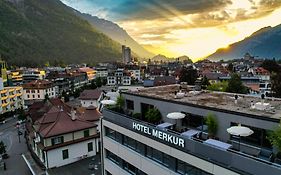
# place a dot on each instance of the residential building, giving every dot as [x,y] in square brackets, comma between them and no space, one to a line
[15,78]
[119,77]
[60,137]
[91,98]
[38,89]
[11,98]
[131,145]
[101,72]
[91,73]
[33,74]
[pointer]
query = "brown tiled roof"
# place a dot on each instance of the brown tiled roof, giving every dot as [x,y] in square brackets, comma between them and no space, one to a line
[59,122]
[90,94]
[90,114]
[38,84]
[38,109]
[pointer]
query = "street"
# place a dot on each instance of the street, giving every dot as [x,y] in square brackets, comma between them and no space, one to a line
[9,135]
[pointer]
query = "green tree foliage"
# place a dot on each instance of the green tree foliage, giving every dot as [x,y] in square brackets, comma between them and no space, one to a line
[120,102]
[98,82]
[271,65]
[153,115]
[235,85]
[205,82]
[276,84]
[219,86]
[34,32]
[2,148]
[212,124]
[275,137]
[230,67]
[188,75]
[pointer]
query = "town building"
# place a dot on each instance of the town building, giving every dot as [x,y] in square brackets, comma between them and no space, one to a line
[15,78]
[11,98]
[61,137]
[91,98]
[38,90]
[91,73]
[132,145]
[101,72]
[126,54]
[119,77]
[33,74]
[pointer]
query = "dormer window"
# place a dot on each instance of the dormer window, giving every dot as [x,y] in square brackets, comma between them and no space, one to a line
[57,140]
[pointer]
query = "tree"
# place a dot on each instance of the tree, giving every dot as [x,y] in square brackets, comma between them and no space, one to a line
[2,148]
[120,102]
[271,65]
[235,85]
[275,138]
[230,67]
[276,84]
[212,124]
[98,82]
[93,85]
[188,75]
[205,82]
[219,86]
[153,115]
[46,98]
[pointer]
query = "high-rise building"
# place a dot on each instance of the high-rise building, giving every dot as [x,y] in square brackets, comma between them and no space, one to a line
[126,54]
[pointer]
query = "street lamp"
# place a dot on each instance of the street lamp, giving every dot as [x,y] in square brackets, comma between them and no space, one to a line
[19,133]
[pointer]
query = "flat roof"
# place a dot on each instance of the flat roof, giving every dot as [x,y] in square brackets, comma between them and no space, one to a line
[218,100]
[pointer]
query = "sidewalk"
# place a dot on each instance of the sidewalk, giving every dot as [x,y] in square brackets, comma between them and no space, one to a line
[34,168]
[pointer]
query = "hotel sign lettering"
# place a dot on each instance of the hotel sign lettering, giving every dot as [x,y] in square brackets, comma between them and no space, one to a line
[159,134]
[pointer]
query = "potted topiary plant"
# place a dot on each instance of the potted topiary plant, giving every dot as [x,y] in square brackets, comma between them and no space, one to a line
[212,124]
[153,115]
[275,139]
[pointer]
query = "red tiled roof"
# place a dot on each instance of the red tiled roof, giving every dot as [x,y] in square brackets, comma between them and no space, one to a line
[38,84]
[90,114]
[90,94]
[61,123]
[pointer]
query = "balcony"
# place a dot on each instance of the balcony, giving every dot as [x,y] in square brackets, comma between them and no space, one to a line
[236,161]
[4,104]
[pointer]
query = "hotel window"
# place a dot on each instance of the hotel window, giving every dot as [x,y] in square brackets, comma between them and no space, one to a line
[38,96]
[130,104]
[28,96]
[57,140]
[33,96]
[37,91]
[65,154]
[32,91]
[86,133]
[90,147]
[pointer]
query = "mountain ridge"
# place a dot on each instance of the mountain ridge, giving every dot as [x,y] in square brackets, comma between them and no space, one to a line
[115,32]
[264,43]
[33,32]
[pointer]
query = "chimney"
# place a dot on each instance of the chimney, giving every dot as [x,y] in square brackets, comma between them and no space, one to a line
[73,114]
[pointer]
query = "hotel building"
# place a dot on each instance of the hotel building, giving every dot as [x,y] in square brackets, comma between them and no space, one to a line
[11,98]
[131,145]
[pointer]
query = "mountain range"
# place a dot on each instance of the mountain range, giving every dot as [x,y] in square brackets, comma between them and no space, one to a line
[115,32]
[264,43]
[34,32]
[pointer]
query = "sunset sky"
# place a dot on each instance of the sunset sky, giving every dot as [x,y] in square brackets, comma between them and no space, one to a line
[195,28]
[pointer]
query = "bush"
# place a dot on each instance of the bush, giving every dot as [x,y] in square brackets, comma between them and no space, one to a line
[153,115]
[136,115]
[275,138]
[212,124]
[219,86]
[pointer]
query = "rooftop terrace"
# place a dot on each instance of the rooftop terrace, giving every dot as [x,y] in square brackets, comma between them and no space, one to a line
[226,101]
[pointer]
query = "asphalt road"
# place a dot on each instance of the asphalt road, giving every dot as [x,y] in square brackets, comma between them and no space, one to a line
[15,164]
